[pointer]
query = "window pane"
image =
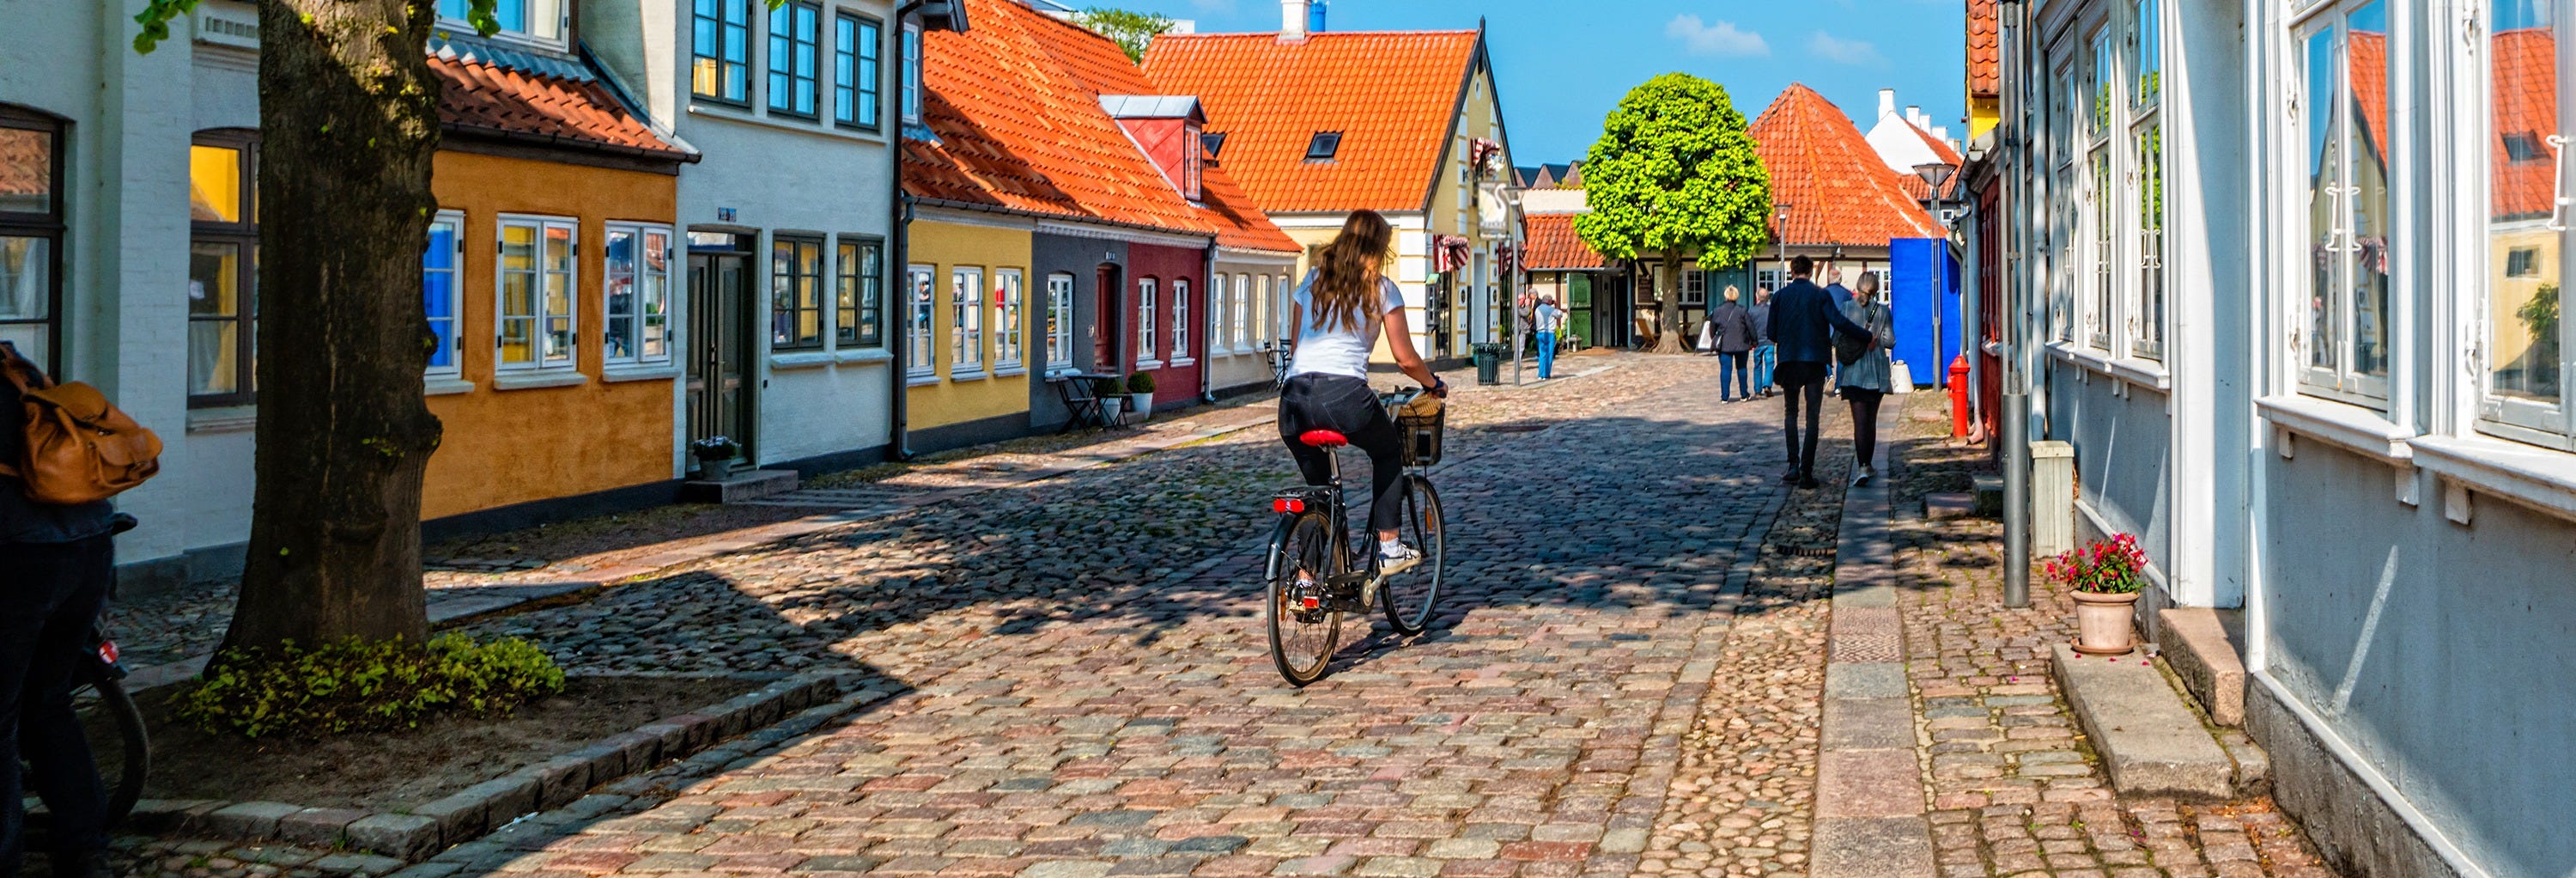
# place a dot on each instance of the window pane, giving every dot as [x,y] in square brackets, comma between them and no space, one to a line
[656,303]
[214,272]
[2151,238]
[2526,259]
[513,14]
[438,292]
[26,279]
[917,325]
[2322,188]
[214,333]
[26,171]
[2148,82]
[618,334]
[214,184]
[2367,235]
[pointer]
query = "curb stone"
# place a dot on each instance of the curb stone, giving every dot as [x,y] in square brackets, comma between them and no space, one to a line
[399,837]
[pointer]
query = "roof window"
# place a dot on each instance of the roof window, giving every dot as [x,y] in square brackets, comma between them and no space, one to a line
[2523,146]
[1323,146]
[1213,142]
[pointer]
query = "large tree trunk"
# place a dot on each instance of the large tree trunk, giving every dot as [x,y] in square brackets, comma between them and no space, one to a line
[1668,295]
[348,122]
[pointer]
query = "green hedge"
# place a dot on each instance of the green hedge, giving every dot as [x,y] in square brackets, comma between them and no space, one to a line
[363,686]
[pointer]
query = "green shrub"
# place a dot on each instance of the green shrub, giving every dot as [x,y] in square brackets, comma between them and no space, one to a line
[1140,383]
[1106,386]
[364,686]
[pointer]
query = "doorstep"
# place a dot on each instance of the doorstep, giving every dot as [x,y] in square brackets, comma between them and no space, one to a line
[2199,643]
[741,487]
[2151,744]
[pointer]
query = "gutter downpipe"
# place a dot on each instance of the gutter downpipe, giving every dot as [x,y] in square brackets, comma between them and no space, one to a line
[898,372]
[1210,319]
[2016,396]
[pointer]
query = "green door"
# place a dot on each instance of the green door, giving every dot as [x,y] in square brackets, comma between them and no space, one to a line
[1578,307]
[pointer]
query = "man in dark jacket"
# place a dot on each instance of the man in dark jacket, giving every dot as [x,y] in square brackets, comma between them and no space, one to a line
[1803,323]
[1732,328]
[59,563]
[1765,357]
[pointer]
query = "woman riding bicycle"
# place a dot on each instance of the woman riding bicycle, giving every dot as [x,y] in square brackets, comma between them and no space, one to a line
[1340,309]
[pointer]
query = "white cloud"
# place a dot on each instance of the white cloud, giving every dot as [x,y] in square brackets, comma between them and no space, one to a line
[1721,38]
[1858,53]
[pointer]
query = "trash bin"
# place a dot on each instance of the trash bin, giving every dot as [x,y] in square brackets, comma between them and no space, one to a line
[1489,363]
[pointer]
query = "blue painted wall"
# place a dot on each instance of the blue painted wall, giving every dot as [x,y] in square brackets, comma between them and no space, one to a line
[1924,283]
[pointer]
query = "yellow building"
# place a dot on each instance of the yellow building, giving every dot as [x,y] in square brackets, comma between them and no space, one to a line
[967,315]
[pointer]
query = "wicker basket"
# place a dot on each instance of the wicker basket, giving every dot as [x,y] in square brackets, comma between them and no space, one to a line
[1423,435]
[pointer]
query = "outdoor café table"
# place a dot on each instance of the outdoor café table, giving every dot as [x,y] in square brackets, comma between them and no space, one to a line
[1074,388]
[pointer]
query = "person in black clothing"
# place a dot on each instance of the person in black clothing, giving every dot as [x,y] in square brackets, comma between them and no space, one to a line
[1803,323]
[1732,327]
[60,562]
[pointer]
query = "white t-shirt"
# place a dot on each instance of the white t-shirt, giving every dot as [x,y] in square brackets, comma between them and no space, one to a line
[1330,349]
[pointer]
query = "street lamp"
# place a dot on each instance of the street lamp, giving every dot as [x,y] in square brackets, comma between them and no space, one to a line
[1934,174]
[1780,239]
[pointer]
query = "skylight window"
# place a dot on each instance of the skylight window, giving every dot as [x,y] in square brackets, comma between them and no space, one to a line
[2523,146]
[1325,144]
[1213,142]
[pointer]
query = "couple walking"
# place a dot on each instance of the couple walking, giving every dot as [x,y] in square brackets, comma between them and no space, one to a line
[1810,333]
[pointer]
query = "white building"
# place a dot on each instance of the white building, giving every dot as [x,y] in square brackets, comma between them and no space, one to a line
[2290,289]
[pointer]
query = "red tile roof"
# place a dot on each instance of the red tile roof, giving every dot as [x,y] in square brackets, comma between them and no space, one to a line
[1393,95]
[1554,246]
[1984,70]
[1918,190]
[484,98]
[2526,104]
[1838,190]
[1015,104]
[26,163]
[2370,88]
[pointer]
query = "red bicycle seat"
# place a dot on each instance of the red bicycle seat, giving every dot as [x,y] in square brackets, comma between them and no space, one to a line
[1323,439]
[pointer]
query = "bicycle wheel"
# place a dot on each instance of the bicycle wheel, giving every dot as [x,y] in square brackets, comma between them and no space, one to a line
[1301,639]
[1409,597]
[117,743]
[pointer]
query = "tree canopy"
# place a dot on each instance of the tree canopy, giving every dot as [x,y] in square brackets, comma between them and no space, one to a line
[1675,173]
[1132,31]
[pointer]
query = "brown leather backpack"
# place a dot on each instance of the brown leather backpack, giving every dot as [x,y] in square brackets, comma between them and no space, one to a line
[80,448]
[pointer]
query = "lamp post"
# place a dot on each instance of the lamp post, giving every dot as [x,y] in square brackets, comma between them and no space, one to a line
[2015,143]
[1780,239]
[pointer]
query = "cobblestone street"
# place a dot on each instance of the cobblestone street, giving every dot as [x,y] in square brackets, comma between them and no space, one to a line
[1067,678]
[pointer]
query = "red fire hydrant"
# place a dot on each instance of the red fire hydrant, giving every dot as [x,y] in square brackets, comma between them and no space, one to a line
[1959,396]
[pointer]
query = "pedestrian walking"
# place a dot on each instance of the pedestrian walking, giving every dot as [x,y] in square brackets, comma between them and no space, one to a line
[1733,327]
[1867,376]
[1765,355]
[60,562]
[1834,286]
[1803,323]
[1551,323]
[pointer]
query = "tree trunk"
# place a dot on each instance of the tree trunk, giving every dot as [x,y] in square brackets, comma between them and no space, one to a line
[348,122]
[1668,296]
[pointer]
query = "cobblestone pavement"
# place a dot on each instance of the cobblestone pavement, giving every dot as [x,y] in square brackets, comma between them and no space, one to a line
[2014,789]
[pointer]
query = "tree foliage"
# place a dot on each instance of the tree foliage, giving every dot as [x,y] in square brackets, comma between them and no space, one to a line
[1132,31]
[157,14]
[1674,173]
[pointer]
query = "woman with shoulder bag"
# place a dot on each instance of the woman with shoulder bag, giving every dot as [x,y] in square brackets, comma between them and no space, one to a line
[1867,375]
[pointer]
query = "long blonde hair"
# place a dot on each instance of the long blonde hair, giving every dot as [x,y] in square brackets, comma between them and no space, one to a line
[1346,274]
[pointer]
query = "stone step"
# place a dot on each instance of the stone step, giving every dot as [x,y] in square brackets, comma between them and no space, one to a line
[1990,496]
[1941,506]
[2151,744]
[2200,644]
[740,487]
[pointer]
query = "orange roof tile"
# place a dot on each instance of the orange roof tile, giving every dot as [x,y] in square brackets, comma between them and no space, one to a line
[485,98]
[26,165]
[1838,190]
[1918,190]
[1554,246]
[2370,88]
[1015,104]
[1984,70]
[1392,94]
[2526,105]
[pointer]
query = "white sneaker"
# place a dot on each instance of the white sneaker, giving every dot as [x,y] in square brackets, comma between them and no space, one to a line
[1861,478]
[1396,559]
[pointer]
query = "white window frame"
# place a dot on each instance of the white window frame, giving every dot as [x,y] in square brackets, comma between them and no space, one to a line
[2150,284]
[646,279]
[2101,167]
[562,24]
[2066,226]
[1181,350]
[1240,308]
[1148,291]
[911,97]
[920,321]
[2339,382]
[1691,277]
[455,270]
[1060,318]
[541,316]
[1010,307]
[2528,420]
[966,322]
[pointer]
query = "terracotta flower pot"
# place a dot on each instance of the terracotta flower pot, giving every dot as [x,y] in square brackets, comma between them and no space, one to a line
[2102,623]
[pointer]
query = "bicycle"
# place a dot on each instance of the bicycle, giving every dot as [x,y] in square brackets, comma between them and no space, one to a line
[1315,573]
[1281,353]
[117,740]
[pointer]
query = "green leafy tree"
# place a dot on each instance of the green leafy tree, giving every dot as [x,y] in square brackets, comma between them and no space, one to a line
[348,120]
[1674,176]
[1132,31]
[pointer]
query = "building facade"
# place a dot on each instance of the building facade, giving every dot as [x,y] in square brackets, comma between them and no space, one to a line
[1431,154]
[2290,290]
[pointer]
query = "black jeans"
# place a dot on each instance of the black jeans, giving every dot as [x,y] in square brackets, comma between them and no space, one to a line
[1864,405]
[48,604]
[1347,406]
[1807,380]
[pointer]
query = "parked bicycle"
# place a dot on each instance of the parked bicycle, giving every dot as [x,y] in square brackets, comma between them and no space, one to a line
[116,736]
[1316,572]
[1281,353]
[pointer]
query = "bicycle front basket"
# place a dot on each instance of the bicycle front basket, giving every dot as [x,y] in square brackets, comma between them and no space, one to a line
[1422,436]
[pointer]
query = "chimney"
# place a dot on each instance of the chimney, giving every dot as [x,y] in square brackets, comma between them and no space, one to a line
[1315,17]
[1292,20]
[1942,133]
[1915,115]
[1886,102]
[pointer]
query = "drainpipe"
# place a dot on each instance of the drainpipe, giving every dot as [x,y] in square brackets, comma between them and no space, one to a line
[899,266]
[1208,317]
[2017,331]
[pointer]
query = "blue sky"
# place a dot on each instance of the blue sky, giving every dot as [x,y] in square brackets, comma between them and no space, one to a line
[1561,67]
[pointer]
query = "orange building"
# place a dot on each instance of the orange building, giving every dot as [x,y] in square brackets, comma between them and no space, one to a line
[549,283]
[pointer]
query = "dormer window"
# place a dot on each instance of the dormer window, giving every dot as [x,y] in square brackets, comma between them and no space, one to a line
[1192,161]
[1324,145]
[1214,142]
[537,20]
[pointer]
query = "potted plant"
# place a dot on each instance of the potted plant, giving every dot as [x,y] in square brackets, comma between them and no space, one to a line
[1112,396]
[1140,396]
[715,456]
[2106,577]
